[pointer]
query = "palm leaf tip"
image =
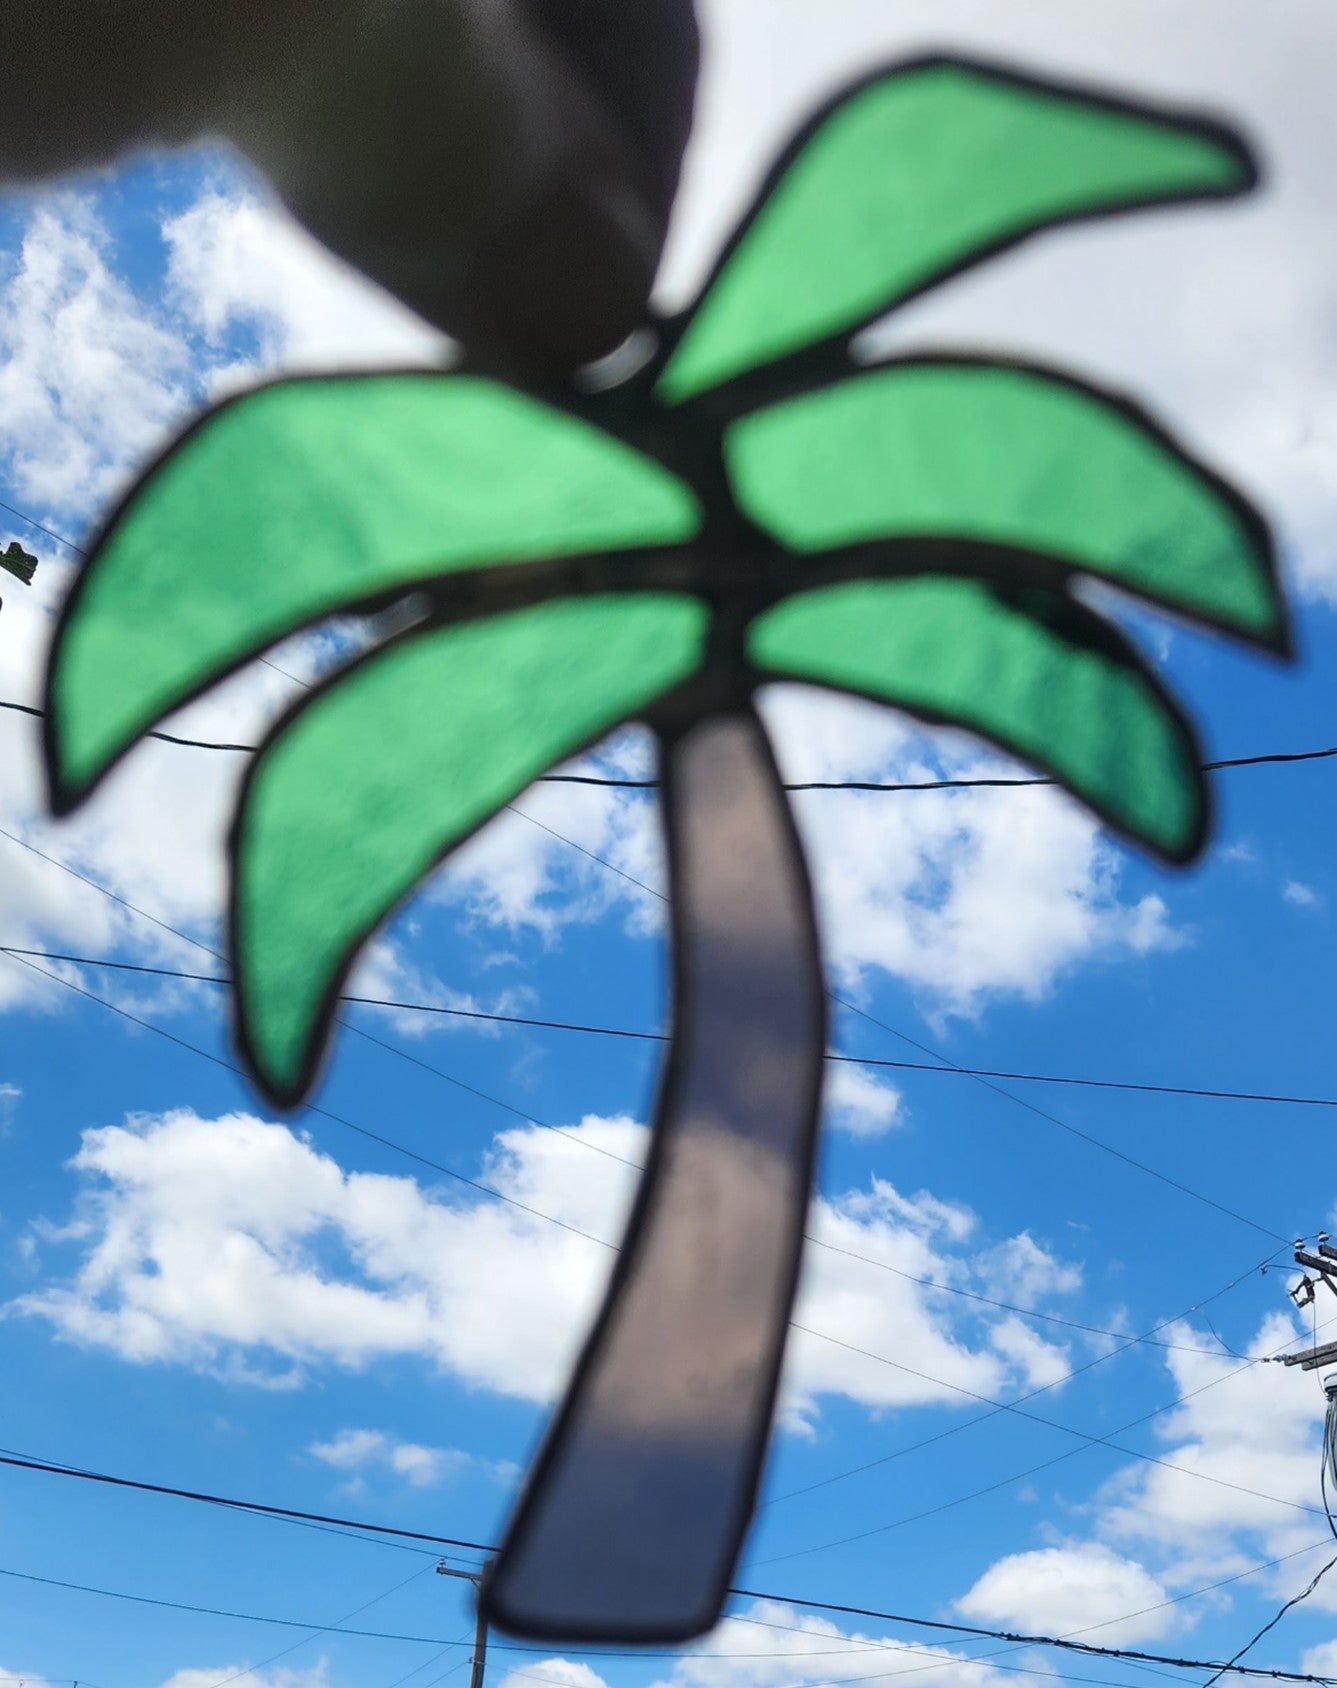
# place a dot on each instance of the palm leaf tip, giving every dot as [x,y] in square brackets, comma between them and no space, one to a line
[373,779]
[316,497]
[1032,672]
[916,174]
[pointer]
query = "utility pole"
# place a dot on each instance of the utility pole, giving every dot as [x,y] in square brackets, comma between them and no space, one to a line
[1322,1264]
[479,1659]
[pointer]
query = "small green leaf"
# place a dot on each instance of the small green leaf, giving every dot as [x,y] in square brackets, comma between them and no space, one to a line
[1031,671]
[997,454]
[915,175]
[306,498]
[378,775]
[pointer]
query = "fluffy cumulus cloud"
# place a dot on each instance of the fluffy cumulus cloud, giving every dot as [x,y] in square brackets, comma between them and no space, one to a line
[1232,1490]
[1252,1430]
[965,894]
[1064,1589]
[234,1245]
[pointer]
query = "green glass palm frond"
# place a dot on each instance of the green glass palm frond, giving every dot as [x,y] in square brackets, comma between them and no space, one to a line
[750,505]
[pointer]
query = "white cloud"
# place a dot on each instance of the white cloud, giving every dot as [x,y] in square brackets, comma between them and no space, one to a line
[1233,1487]
[1038,1361]
[89,379]
[237,259]
[1058,1590]
[92,379]
[423,1467]
[1298,894]
[771,1645]
[1254,1429]
[30,1679]
[208,1243]
[561,1673]
[963,894]
[861,1101]
[244,1676]
[1320,1660]
[1019,1269]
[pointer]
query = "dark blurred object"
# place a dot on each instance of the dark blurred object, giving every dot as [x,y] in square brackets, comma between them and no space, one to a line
[19,562]
[506,167]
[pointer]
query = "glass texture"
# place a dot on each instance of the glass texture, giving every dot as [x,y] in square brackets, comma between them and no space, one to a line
[632,1521]
[951,650]
[908,179]
[377,777]
[1010,457]
[305,498]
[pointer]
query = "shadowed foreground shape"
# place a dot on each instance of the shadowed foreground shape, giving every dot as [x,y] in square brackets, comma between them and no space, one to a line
[749,506]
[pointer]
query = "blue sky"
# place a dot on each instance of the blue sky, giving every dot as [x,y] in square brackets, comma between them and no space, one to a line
[197,1293]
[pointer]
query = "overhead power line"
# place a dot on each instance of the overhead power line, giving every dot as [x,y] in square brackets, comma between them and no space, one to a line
[51,533]
[1065,1643]
[633,1034]
[321,1113]
[611,782]
[231,1503]
[285,1514]
[1272,1623]
[1088,1649]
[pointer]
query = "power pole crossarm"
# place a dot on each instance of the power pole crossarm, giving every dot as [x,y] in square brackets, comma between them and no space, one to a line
[1312,1358]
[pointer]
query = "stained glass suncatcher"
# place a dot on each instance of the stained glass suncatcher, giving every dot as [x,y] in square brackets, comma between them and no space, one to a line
[750,505]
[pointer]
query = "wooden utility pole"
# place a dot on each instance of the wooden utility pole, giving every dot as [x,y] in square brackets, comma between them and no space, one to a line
[479,1660]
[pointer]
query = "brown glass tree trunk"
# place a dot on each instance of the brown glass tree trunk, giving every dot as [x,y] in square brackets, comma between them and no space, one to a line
[636,1509]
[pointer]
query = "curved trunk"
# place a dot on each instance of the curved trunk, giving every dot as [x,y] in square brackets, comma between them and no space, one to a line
[634,1514]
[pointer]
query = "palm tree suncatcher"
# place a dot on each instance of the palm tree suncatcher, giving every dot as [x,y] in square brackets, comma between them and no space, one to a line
[751,505]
